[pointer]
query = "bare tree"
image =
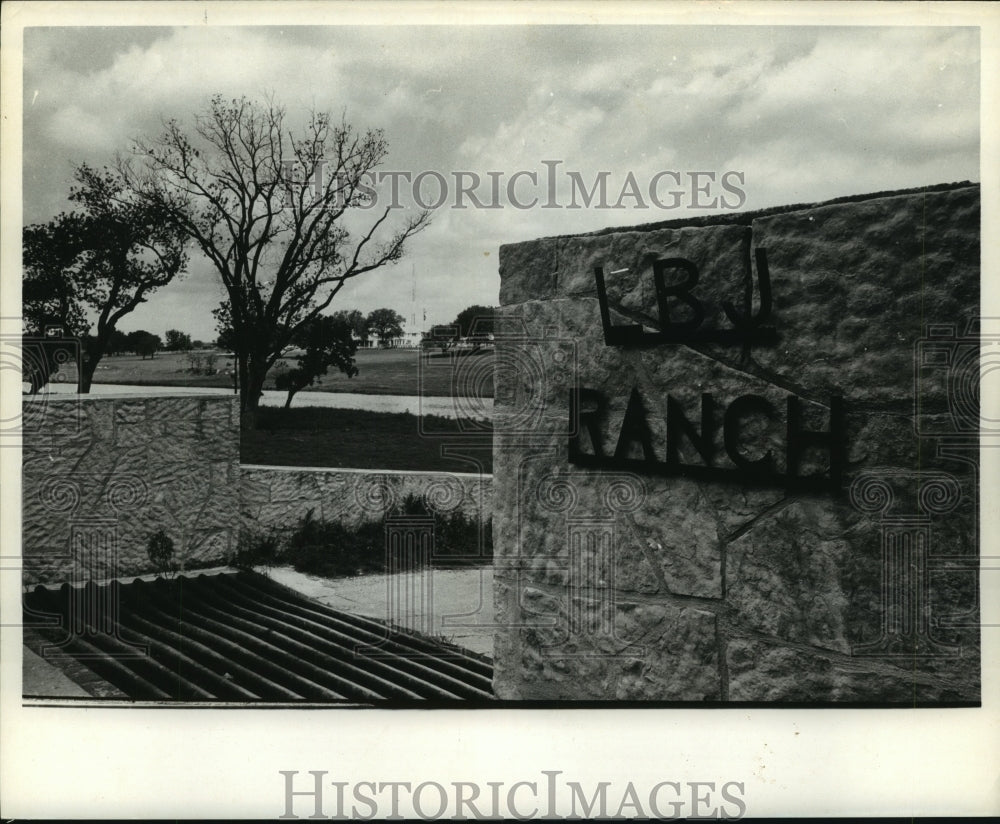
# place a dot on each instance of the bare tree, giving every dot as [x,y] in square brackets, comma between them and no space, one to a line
[268,208]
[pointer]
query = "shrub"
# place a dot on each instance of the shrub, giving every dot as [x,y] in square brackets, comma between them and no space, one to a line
[255,549]
[201,364]
[458,540]
[160,550]
[456,535]
[331,549]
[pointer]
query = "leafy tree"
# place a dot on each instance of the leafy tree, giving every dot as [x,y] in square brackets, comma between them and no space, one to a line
[266,205]
[45,354]
[177,341]
[326,341]
[102,262]
[118,343]
[53,259]
[227,338]
[357,322]
[149,344]
[144,343]
[475,321]
[386,323]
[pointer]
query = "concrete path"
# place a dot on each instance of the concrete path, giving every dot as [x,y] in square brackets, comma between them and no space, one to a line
[43,678]
[456,605]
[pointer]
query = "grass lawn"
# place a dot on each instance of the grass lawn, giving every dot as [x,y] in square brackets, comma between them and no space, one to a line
[317,436]
[382,372]
[164,369]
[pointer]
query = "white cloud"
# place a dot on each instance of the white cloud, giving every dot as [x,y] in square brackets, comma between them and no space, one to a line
[805,113]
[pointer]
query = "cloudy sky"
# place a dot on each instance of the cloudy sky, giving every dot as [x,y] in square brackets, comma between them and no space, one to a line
[801,114]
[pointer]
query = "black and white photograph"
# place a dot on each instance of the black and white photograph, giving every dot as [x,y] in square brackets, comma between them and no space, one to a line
[531,386]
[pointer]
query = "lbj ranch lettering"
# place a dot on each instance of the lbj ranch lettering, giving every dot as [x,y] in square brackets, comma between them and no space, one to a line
[748,328]
[760,471]
[588,407]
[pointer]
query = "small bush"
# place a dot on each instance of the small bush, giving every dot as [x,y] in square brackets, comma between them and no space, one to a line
[458,541]
[456,535]
[331,549]
[201,364]
[256,550]
[160,550]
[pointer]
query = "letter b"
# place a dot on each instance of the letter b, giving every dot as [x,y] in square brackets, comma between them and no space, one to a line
[682,291]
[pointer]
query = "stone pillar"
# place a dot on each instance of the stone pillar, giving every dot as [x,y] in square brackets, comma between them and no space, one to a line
[738,374]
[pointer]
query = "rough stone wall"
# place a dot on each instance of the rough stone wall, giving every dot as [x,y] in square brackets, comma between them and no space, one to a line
[277,498]
[100,474]
[623,585]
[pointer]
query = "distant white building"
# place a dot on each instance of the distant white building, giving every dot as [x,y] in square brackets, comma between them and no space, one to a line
[408,340]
